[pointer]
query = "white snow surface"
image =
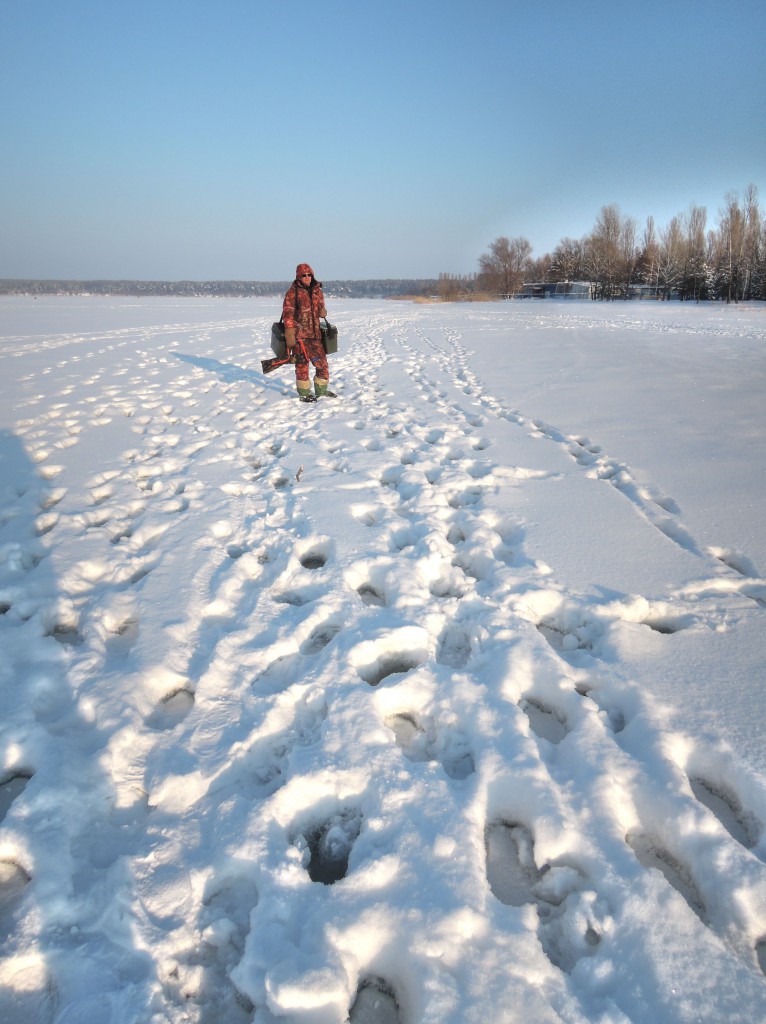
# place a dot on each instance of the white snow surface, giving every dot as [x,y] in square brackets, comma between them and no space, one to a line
[440,702]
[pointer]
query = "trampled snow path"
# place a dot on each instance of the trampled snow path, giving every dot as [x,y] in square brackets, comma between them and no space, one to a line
[361,710]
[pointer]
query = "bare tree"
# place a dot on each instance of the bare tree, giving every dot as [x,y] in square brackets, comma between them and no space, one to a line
[451,287]
[684,258]
[695,278]
[759,273]
[568,261]
[603,252]
[648,264]
[732,242]
[628,254]
[671,256]
[753,225]
[538,269]
[502,268]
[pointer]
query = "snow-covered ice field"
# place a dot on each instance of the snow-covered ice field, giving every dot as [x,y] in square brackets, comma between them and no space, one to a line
[438,703]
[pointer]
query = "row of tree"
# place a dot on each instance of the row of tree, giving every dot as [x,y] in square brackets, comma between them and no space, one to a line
[368,289]
[684,260]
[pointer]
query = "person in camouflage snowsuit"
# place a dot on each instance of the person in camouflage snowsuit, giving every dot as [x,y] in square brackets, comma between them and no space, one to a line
[301,312]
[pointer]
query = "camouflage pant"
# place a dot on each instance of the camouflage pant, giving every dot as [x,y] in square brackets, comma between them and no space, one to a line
[316,355]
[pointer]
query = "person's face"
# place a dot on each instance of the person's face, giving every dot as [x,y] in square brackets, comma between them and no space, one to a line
[305,277]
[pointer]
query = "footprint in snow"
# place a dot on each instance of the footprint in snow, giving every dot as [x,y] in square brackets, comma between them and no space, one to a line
[320,637]
[407,536]
[315,554]
[760,954]
[511,870]
[667,504]
[454,646]
[66,633]
[261,770]
[368,514]
[569,911]
[752,581]
[735,561]
[667,625]
[583,452]
[375,1003]
[452,584]
[52,498]
[742,825]
[141,571]
[11,789]
[371,595]
[423,741]
[466,497]
[230,898]
[279,481]
[569,632]
[202,974]
[395,653]
[101,494]
[28,993]
[547,722]
[327,845]
[172,709]
[236,551]
[13,881]
[45,523]
[92,520]
[389,664]
[279,674]
[298,596]
[652,855]
[121,531]
[615,716]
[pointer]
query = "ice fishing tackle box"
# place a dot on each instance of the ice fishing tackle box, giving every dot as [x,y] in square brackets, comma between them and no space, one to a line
[279,345]
[329,336]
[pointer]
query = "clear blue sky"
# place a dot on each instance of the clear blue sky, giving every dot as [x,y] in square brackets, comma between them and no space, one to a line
[181,139]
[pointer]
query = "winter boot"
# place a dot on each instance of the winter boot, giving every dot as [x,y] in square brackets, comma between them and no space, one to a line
[322,390]
[305,395]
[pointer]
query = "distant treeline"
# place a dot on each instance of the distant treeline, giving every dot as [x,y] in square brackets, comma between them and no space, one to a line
[370,289]
[685,259]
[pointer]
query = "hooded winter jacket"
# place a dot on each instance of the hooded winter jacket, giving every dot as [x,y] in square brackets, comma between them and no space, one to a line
[303,308]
